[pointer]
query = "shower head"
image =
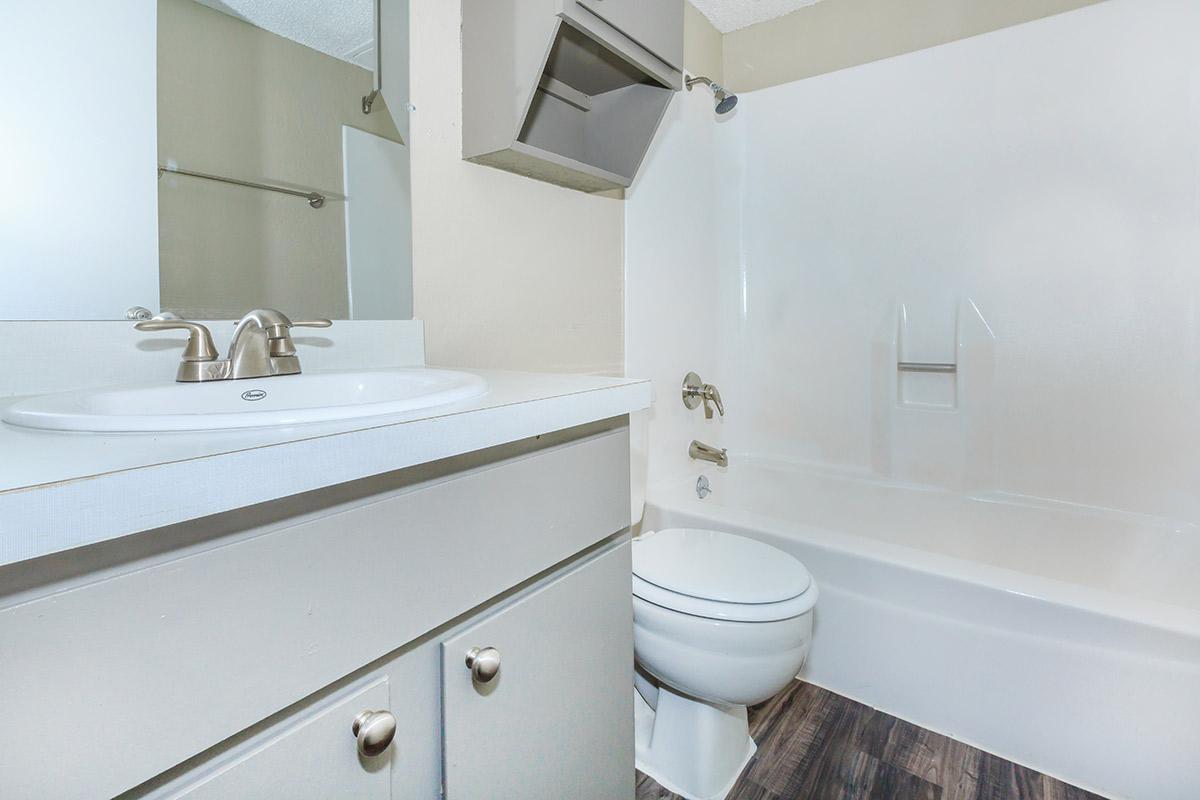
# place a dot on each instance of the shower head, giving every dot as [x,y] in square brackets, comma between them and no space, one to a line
[724,100]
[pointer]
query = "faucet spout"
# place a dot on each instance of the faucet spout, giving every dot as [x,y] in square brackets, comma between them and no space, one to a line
[706,452]
[271,322]
[262,344]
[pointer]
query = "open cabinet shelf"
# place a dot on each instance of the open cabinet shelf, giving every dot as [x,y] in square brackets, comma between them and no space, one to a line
[590,99]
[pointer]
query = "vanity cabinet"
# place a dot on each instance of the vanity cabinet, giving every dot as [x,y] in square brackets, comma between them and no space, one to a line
[229,656]
[555,721]
[309,757]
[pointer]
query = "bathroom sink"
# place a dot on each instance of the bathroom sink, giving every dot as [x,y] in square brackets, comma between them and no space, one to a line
[251,403]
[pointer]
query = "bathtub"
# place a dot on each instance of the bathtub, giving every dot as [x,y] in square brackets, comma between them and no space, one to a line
[1065,638]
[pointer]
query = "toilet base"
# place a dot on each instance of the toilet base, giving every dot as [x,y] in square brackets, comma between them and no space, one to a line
[692,748]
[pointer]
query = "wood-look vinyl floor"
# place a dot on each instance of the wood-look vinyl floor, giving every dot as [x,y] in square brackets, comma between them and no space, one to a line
[816,745]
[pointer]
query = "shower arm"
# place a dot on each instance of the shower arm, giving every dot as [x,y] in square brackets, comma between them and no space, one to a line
[725,101]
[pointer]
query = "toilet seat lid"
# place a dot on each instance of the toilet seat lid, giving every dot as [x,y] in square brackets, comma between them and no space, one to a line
[718,566]
[728,612]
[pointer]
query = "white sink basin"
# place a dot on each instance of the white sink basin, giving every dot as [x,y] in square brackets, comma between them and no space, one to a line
[250,403]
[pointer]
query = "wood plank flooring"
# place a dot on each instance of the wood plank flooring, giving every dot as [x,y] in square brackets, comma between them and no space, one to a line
[816,745]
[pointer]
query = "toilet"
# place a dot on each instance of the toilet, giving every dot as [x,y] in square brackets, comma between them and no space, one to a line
[721,622]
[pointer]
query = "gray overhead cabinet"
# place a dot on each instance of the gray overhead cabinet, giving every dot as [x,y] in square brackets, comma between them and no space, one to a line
[568,91]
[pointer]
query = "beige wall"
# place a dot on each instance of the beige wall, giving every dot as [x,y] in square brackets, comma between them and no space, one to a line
[703,51]
[266,109]
[834,34]
[508,272]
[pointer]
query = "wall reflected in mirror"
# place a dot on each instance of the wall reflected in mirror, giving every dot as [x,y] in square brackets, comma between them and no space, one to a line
[270,92]
[263,93]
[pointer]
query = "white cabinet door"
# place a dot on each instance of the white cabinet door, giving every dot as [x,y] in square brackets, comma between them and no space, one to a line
[656,25]
[557,720]
[313,758]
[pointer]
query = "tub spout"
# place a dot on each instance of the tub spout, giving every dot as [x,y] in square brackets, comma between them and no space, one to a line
[705,452]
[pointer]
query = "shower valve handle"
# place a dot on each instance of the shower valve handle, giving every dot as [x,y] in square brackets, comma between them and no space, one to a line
[710,394]
[696,391]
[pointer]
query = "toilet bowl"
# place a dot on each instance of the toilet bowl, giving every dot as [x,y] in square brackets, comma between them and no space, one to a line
[721,622]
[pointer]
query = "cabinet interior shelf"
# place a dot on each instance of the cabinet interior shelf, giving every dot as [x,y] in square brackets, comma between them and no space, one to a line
[590,101]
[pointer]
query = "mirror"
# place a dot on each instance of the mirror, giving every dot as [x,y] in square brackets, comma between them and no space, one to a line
[273,188]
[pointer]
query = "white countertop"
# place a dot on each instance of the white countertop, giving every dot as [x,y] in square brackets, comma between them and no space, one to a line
[65,490]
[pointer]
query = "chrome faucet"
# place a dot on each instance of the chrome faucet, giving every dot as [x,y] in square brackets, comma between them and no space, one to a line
[261,347]
[706,452]
[696,391]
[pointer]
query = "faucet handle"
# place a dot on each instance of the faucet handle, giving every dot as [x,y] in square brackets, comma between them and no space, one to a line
[283,346]
[276,323]
[200,345]
[696,391]
[710,393]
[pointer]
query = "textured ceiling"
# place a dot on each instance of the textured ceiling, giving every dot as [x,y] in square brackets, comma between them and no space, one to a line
[729,15]
[344,29]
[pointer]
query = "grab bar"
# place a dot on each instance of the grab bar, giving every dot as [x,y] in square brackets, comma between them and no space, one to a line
[926,366]
[315,199]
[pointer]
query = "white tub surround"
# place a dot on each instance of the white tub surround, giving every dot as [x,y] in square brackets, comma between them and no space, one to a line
[1021,204]
[64,490]
[1012,560]
[1063,638]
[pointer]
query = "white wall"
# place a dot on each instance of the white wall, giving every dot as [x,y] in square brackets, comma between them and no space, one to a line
[79,208]
[378,225]
[1047,173]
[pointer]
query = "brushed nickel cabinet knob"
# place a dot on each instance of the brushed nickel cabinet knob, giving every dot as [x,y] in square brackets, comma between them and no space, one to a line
[484,663]
[375,731]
